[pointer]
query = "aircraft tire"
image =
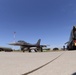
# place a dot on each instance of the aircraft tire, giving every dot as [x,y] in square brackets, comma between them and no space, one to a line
[23,50]
[1,49]
[29,50]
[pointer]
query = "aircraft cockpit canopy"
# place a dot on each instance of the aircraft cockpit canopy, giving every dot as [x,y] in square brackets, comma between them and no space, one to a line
[21,41]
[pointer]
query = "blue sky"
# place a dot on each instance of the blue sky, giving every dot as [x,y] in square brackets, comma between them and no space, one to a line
[49,20]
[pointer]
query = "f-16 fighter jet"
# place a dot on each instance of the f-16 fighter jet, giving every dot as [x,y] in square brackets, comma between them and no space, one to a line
[27,46]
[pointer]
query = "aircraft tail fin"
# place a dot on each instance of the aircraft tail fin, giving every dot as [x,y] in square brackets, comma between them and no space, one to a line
[38,42]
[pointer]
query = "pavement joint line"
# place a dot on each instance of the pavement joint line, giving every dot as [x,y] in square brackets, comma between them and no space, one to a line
[42,65]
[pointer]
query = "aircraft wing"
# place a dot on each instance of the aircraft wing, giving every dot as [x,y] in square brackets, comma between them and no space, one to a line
[15,44]
[19,44]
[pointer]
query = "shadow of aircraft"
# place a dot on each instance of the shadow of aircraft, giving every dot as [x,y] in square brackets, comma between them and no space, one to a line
[74,73]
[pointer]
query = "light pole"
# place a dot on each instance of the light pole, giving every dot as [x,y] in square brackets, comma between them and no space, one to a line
[14,39]
[14,36]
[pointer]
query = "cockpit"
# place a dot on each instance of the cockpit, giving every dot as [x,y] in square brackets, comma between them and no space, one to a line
[21,41]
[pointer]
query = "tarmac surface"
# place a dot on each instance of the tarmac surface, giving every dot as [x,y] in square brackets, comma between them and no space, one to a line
[40,63]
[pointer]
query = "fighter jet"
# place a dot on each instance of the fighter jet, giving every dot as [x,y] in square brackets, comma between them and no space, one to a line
[24,45]
[71,44]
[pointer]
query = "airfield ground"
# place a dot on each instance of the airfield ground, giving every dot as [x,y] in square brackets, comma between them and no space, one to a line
[40,63]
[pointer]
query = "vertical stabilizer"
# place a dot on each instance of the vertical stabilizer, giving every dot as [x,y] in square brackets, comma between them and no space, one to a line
[38,42]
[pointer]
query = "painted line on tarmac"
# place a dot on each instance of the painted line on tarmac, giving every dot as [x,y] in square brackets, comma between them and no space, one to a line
[42,65]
